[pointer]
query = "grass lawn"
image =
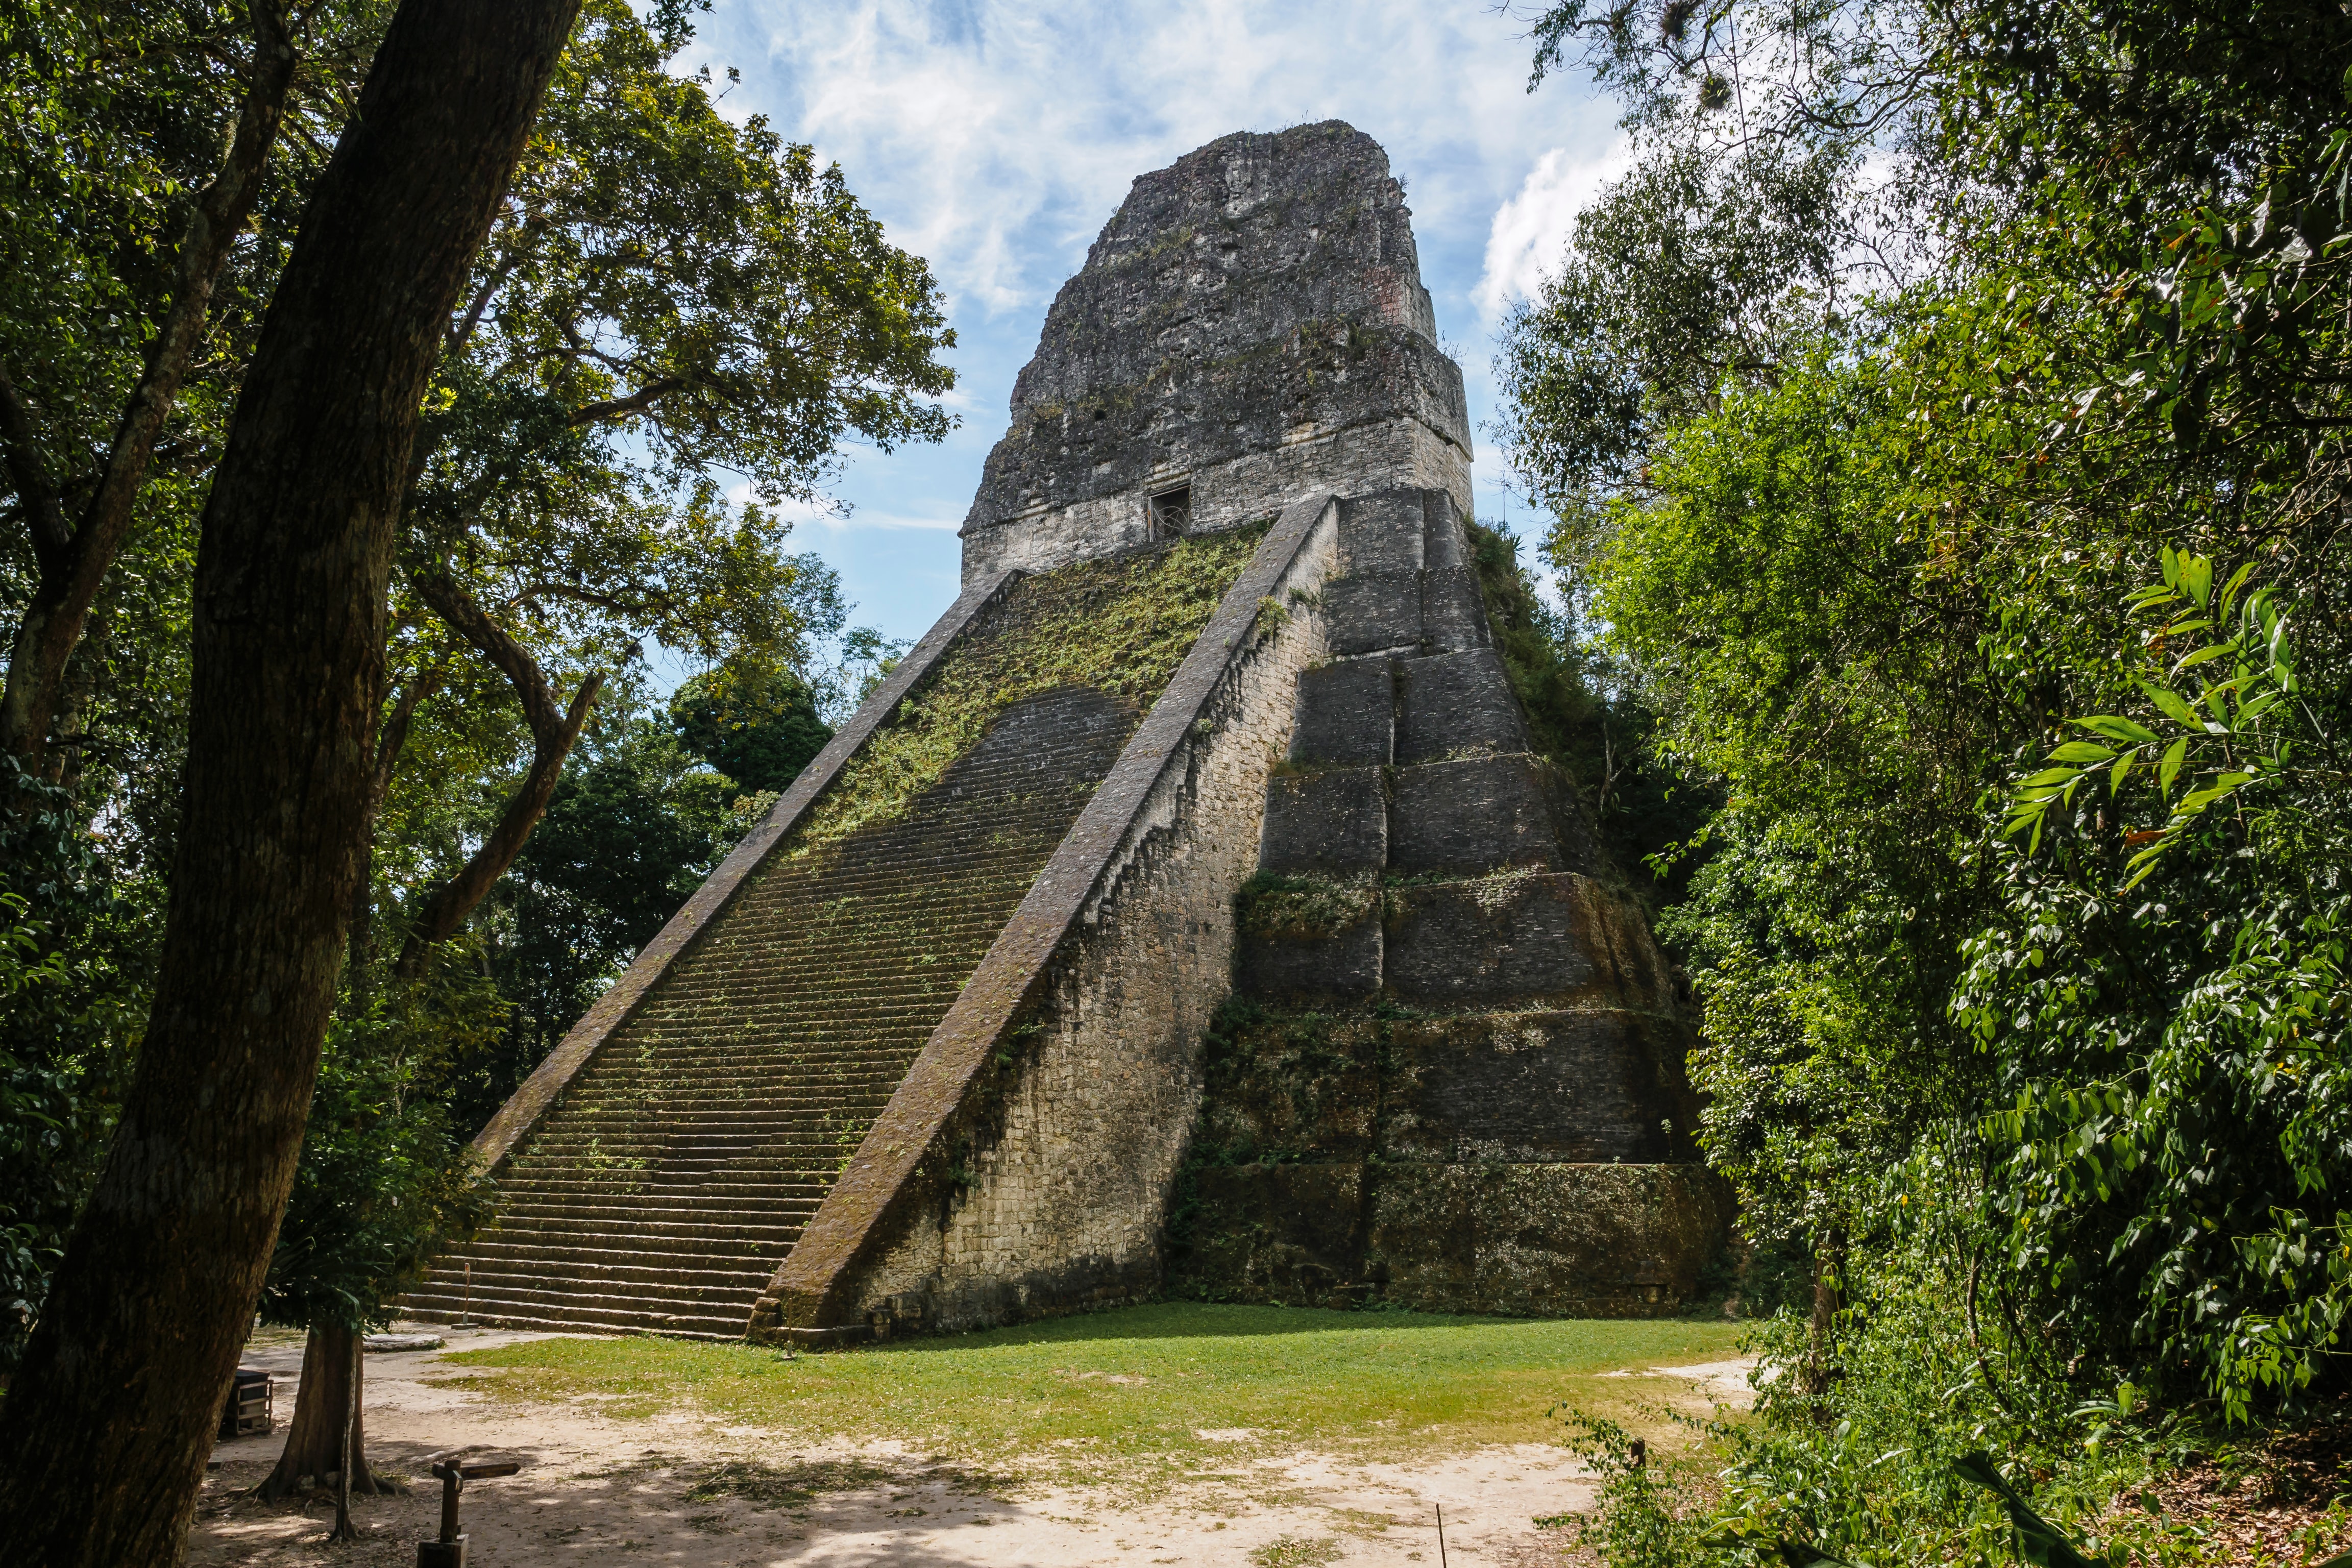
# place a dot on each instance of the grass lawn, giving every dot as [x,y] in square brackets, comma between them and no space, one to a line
[1133,1389]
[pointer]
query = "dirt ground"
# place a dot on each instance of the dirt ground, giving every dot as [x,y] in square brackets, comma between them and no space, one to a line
[676,1487]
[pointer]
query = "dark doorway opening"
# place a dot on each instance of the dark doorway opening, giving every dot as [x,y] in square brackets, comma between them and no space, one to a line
[1172,512]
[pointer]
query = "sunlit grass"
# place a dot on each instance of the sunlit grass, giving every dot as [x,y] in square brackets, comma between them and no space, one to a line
[1111,1391]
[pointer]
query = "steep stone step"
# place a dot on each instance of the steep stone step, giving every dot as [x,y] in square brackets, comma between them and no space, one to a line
[685,1159]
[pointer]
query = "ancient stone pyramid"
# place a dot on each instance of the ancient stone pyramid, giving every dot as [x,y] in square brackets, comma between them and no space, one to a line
[1187,908]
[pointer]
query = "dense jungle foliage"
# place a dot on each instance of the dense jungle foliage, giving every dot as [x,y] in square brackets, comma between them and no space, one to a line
[677,322]
[1942,428]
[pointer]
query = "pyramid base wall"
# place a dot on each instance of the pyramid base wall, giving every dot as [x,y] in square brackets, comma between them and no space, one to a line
[1612,1240]
[1060,1178]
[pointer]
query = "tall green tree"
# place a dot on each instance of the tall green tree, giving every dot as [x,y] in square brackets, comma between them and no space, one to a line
[105,1429]
[383,1184]
[143,141]
[668,301]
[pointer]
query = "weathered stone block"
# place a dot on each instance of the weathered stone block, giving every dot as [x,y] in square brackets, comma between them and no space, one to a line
[1315,964]
[1382,533]
[1295,1086]
[1621,1240]
[1334,821]
[1471,816]
[1586,1086]
[1455,704]
[1452,610]
[1347,715]
[1289,1233]
[1373,613]
[1508,938]
[1444,542]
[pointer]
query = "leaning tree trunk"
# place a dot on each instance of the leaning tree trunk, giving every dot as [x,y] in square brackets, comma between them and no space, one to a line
[334,1387]
[104,1434]
[553,732]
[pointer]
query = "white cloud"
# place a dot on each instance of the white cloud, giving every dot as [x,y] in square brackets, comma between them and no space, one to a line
[837,516]
[867,516]
[995,137]
[1529,231]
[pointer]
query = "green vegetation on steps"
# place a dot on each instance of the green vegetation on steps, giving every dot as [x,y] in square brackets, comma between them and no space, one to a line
[1120,626]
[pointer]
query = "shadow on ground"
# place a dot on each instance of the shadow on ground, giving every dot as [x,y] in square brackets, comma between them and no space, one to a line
[653,1509]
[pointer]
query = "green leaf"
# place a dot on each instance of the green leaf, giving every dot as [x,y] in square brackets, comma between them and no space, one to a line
[2197,577]
[2213,650]
[2124,730]
[2169,769]
[2082,751]
[2039,1541]
[2054,775]
[2237,581]
[2173,706]
[2122,769]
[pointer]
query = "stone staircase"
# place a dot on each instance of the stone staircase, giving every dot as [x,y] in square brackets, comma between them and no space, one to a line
[680,1167]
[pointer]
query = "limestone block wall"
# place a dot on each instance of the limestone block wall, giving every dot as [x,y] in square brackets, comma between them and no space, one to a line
[1314,461]
[1252,323]
[1452,1077]
[1024,1164]
[1063,1184]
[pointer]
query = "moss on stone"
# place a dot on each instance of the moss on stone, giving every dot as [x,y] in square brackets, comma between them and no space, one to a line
[1300,908]
[1120,626]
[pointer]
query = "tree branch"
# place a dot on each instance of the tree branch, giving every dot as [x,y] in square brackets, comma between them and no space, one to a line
[442,593]
[637,402]
[53,621]
[395,734]
[553,732]
[42,507]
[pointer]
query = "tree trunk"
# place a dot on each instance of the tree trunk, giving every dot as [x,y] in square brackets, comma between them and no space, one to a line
[70,568]
[1829,1300]
[347,1430]
[334,1382]
[104,1434]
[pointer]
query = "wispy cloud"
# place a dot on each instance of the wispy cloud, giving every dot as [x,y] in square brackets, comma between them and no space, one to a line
[1529,231]
[995,137]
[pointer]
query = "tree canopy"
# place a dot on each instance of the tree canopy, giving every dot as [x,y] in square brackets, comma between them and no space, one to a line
[677,325]
[1943,427]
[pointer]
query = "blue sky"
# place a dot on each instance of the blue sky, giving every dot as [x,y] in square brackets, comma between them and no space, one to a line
[995,139]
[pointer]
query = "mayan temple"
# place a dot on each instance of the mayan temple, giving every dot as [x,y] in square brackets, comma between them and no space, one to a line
[1187,911]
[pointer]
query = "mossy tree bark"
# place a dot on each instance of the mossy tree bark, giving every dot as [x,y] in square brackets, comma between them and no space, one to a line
[104,1434]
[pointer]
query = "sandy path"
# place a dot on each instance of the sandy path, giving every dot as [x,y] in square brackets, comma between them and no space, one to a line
[595,1490]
